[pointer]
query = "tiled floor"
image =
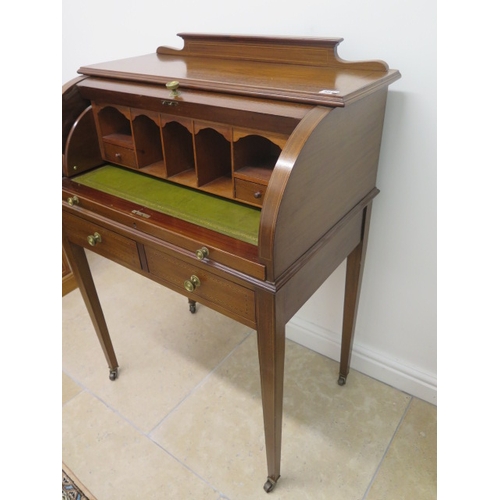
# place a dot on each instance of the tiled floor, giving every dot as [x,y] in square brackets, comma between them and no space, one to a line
[184,420]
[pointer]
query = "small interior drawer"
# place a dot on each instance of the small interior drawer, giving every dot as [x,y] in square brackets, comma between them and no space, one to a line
[252,192]
[111,245]
[120,155]
[221,294]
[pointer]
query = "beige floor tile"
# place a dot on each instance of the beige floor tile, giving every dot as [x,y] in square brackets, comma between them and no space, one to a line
[163,350]
[116,462]
[333,438]
[409,470]
[69,388]
[209,443]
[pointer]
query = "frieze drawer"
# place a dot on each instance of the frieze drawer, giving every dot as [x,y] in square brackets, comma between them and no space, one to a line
[107,243]
[203,286]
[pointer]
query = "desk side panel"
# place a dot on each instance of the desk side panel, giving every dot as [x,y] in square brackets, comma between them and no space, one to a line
[73,104]
[335,168]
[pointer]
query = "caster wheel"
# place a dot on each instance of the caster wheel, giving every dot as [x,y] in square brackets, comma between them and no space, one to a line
[269,486]
[113,374]
[342,380]
[192,306]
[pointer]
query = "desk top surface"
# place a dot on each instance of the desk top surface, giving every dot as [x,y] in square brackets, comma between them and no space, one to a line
[295,69]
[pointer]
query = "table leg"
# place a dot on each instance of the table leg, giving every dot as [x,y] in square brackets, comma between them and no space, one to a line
[354,275]
[271,347]
[83,276]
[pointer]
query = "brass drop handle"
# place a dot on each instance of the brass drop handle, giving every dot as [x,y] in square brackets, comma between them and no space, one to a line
[73,200]
[173,87]
[192,283]
[93,239]
[202,253]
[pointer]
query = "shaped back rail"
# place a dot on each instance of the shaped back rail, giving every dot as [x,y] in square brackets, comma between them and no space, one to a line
[319,52]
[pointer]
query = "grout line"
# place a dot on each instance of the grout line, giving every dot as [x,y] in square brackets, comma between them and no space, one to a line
[147,435]
[200,383]
[222,496]
[191,392]
[82,387]
[105,403]
[368,488]
[201,478]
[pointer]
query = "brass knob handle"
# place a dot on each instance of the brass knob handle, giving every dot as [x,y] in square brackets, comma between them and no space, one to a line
[173,87]
[202,253]
[93,239]
[192,283]
[73,200]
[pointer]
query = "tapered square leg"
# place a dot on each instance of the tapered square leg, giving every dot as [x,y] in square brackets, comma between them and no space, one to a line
[354,276]
[271,347]
[83,276]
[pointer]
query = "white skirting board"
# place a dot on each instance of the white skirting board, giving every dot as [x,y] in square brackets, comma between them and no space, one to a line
[367,361]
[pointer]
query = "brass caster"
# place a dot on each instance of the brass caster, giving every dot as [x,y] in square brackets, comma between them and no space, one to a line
[113,374]
[342,380]
[192,306]
[269,486]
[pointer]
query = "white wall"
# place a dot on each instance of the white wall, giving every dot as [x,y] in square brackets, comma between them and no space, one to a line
[396,330]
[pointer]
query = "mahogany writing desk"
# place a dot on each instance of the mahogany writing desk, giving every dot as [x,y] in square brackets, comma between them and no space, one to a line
[237,171]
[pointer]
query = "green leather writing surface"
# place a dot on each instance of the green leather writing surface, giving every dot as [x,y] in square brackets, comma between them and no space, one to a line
[203,209]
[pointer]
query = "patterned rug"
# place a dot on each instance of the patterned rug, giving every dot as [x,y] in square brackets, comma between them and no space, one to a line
[72,489]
